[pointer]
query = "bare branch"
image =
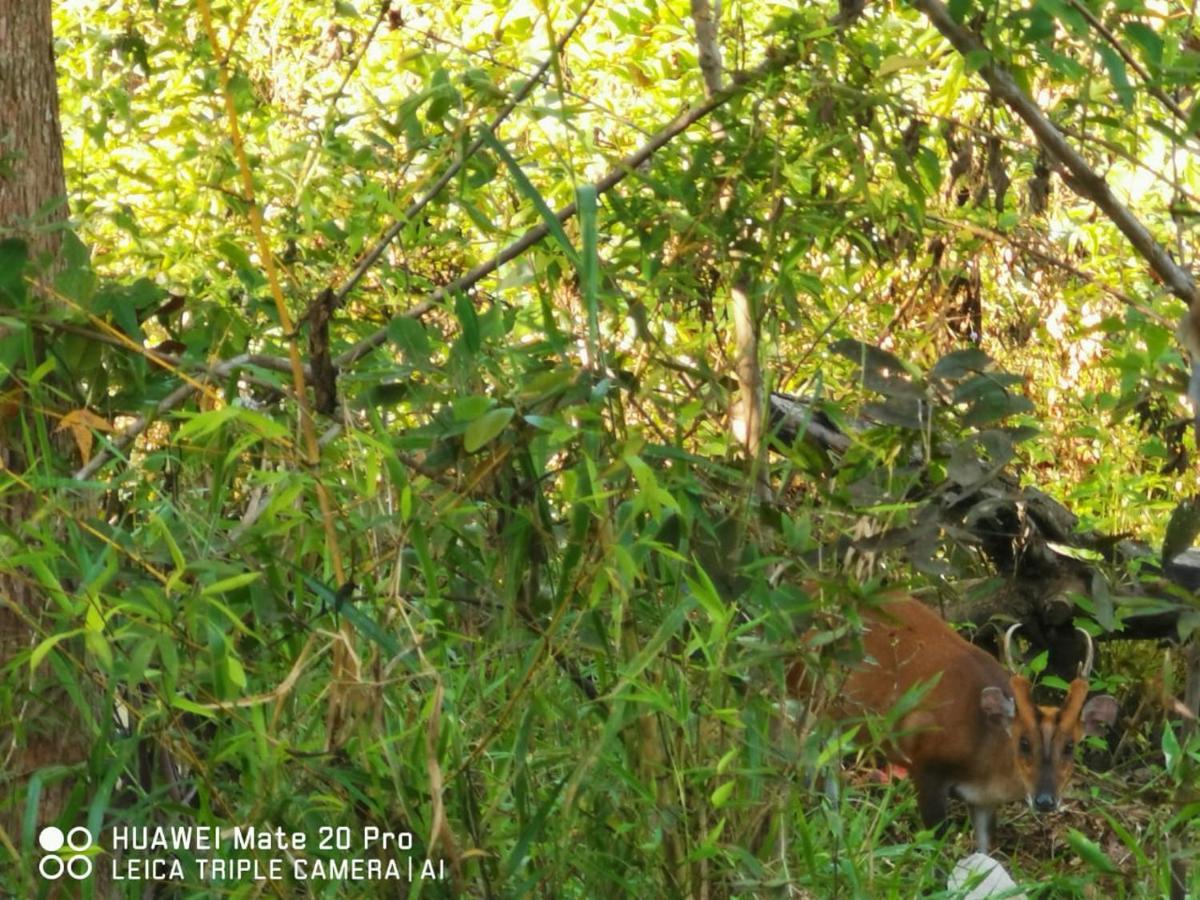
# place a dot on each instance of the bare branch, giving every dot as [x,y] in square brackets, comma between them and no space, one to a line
[708,44]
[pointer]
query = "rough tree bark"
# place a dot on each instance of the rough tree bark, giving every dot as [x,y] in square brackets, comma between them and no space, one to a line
[39,726]
[32,187]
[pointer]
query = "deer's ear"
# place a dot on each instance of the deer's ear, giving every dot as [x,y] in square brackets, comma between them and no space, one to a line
[997,706]
[1099,714]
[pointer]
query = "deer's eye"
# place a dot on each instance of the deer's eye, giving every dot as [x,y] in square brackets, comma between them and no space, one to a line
[1069,746]
[1025,746]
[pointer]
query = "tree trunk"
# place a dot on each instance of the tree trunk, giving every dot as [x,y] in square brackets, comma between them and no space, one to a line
[32,188]
[40,726]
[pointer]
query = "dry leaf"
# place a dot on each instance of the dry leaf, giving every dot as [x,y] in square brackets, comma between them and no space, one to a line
[81,423]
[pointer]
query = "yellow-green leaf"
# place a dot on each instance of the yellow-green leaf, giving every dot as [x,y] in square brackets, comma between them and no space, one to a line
[189,706]
[40,651]
[484,429]
[1090,852]
[896,63]
[232,583]
[721,795]
[235,671]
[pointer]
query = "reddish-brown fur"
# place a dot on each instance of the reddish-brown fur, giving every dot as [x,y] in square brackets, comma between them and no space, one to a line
[975,731]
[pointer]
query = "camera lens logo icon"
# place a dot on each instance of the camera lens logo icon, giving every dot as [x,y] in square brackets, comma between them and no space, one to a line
[75,864]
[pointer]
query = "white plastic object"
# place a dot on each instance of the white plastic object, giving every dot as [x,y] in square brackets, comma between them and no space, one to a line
[987,877]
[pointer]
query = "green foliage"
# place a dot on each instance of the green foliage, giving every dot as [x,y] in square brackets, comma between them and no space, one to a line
[529,604]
